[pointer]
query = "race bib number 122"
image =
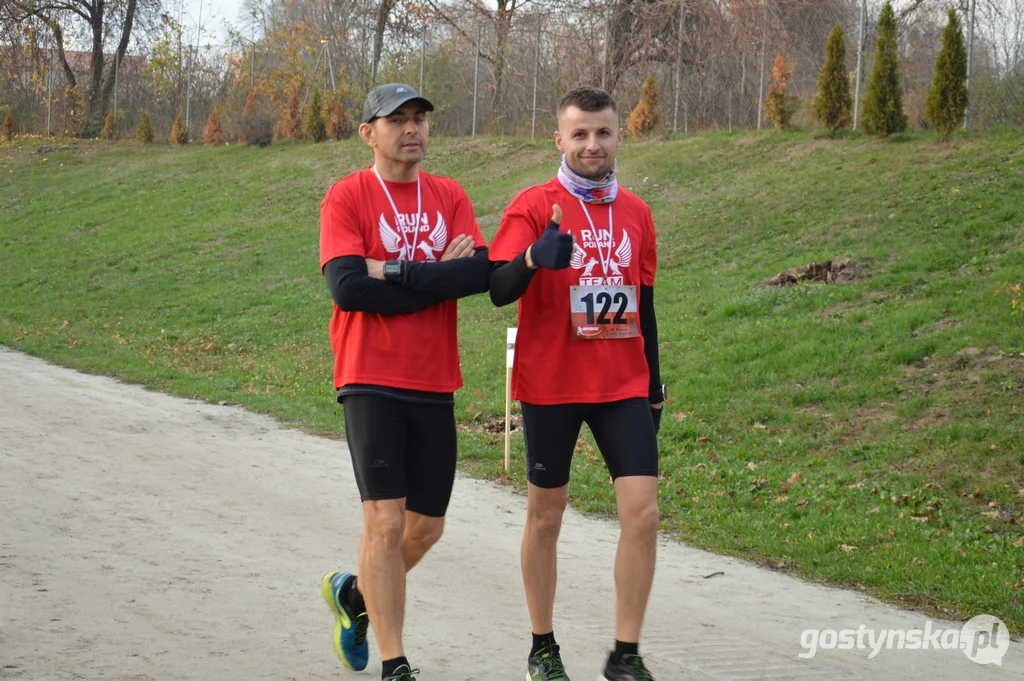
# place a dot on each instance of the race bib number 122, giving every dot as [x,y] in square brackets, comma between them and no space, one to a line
[604,312]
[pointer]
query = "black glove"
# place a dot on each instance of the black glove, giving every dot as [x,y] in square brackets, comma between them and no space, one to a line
[656,416]
[553,250]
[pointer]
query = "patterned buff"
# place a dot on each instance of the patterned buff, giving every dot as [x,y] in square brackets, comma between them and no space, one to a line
[590,191]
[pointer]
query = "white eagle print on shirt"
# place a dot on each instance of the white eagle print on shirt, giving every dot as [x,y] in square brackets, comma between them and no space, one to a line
[611,266]
[401,244]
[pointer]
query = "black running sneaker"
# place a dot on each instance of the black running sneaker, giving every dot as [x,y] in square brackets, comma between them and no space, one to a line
[403,673]
[546,665]
[629,668]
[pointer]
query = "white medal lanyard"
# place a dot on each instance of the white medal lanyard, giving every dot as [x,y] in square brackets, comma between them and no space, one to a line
[605,262]
[410,251]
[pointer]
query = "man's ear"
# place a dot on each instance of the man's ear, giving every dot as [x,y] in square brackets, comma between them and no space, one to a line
[558,140]
[366,133]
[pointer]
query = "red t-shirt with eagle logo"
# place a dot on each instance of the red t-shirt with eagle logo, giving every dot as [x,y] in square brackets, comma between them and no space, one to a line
[416,351]
[553,364]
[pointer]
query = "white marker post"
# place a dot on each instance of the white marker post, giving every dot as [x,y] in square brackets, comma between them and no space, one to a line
[510,355]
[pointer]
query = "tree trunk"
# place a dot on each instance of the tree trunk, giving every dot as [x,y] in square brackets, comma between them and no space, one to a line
[93,125]
[503,27]
[383,12]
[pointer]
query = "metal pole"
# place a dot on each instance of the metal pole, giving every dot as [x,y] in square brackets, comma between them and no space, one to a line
[49,95]
[760,89]
[764,44]
[860,60]
[117,69]
[679,64]
[330,66]
[970,59]
[536,72]
[191,65]
[607,46]
[312,79]
[252,67]
[476,76]
[423,54]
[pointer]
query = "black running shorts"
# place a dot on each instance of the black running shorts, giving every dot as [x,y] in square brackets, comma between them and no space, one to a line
[624,432]
[402,449]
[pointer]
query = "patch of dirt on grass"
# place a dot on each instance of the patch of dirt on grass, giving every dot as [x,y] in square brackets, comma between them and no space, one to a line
[496,424]
[796,152]
[838,271]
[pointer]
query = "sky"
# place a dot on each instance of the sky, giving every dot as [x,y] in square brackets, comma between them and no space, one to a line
[214,15]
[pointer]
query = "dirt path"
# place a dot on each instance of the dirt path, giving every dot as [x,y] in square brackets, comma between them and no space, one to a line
[148,537]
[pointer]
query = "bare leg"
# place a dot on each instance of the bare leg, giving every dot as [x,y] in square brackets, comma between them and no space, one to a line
[421,532]
[539,555]
[637,498]
[382,572]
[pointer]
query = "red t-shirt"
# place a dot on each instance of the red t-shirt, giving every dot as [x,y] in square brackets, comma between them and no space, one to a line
[555,363]
[416,351]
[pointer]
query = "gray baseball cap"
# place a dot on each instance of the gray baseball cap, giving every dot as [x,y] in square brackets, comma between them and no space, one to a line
[383,100]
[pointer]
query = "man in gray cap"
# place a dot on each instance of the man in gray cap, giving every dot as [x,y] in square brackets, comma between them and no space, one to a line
[398,247]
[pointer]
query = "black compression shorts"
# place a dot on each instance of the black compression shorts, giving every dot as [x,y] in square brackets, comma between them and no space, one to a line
[402,449]
[624,432]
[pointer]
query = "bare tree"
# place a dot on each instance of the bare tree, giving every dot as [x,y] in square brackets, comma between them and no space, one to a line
[117,17]
[383,12]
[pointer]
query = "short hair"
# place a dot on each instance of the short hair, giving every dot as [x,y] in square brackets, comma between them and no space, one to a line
[590,99]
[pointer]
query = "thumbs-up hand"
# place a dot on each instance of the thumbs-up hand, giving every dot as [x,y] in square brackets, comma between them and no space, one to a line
[553,250]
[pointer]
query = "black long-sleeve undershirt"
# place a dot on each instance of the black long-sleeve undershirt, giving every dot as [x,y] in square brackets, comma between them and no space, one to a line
[449,279]
[649,331]
[510,279]
[353,290]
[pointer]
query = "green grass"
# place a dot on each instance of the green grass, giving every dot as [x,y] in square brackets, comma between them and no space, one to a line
[884,415]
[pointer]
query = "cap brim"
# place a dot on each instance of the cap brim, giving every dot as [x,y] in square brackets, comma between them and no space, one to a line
[392,107]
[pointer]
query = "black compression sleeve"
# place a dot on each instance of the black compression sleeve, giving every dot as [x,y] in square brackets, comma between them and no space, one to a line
[449,279]
[355,291]
[510,279]
[649,330]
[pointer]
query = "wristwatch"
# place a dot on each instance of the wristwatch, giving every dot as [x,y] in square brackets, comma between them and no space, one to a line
[664,395]
[393,271]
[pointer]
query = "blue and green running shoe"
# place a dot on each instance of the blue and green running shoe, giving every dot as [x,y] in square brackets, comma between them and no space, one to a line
[349,626]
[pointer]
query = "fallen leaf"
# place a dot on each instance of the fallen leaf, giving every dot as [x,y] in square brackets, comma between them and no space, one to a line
[825,509]
[876,509]
[846,548]
[1019,542]
[679,416]
[760,426]
[703,438]
[802,503]
[989,528]
[796,478]
[751,465]
[993,504]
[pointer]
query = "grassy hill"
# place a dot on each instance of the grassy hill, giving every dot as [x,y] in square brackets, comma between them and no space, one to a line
[868,434]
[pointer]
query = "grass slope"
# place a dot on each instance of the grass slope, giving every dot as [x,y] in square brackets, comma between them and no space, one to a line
[868,434]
